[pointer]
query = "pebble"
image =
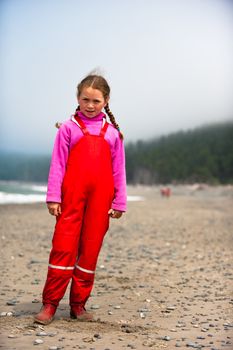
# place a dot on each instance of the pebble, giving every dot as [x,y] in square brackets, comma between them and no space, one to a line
[3,314]
[34,261]
[166,337]
[12,336]
[95,307]
[53,348]
[170,308]
[9,313]
[11,302]
[117,307]
[38,341]
[193,345]
[204,330]
[36,281]
[142,315]
[41,334]
[87,340]
[97,336]
[52,334]
[143,310]
[178,345]
[44,334]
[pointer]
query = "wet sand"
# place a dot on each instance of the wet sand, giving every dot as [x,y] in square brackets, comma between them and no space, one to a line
[164,278]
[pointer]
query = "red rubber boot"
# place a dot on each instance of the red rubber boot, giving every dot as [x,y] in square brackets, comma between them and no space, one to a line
[45,316]
[79,312]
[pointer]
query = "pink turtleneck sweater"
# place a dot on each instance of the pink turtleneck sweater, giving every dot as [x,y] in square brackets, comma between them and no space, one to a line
[67,136]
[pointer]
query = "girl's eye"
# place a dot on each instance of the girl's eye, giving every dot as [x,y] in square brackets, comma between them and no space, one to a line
[94,101]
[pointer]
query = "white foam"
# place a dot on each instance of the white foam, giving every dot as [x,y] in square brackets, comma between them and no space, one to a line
[38,188]
[17,198]
[135,198]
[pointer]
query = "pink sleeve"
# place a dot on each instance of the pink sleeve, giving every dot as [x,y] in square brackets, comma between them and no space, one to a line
[58,164]
[119,175]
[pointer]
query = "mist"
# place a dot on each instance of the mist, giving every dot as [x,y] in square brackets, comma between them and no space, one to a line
[169,65]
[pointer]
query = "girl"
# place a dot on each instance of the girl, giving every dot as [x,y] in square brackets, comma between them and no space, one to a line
[86,185]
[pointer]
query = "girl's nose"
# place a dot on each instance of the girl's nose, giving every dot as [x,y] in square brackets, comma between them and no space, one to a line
[90,105]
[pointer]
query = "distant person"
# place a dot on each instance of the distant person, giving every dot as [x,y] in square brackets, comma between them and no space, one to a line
[86,186]
[165,192]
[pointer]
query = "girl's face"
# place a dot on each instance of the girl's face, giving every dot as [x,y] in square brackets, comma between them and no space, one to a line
[91,101]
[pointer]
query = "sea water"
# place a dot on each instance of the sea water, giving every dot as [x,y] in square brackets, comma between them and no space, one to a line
[21,192]
[12,192]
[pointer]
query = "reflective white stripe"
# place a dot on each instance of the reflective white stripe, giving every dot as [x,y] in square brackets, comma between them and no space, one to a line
[61,267]
[84,270]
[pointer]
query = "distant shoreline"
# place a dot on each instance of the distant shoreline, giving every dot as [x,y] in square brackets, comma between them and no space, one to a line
[16,192]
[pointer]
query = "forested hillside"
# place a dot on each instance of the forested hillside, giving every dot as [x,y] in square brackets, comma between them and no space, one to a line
[21,167]
[201,155]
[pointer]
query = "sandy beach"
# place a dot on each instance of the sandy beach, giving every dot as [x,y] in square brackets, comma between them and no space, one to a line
[164,278]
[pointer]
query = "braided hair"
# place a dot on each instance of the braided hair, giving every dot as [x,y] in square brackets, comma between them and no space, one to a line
[113,120]
[98,82]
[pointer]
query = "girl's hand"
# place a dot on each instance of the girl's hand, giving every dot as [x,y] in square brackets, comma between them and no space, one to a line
[54,208]
[115,214]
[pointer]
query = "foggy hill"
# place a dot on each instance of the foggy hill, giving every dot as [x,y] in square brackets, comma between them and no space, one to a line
[204,154]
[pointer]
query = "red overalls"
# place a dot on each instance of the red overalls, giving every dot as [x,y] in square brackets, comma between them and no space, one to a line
[87,194]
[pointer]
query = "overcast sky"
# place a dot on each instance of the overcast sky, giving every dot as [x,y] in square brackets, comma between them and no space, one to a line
[169,64]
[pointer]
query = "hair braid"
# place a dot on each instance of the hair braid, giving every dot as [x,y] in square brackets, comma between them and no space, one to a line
[77,110]
[113,120]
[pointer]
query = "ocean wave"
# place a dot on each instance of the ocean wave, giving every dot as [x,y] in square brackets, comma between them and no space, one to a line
[135,198]
[38,188]
[22,187]
[18,198]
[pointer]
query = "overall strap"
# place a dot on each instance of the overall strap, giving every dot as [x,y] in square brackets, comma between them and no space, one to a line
[82,125]
[104,129]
